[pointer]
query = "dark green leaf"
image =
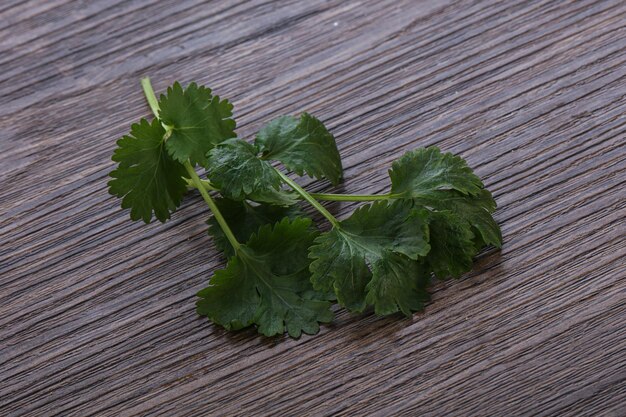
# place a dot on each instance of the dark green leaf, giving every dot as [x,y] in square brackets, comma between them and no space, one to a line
[147,179]
[387,237]
[237,171]
[398,282]
[452,247]
[267,284]
[422,171]
[303,145]
[245,219]
[444,182]
[198,121]
[475,210]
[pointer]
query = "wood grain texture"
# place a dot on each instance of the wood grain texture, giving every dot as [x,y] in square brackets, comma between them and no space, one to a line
[97,312]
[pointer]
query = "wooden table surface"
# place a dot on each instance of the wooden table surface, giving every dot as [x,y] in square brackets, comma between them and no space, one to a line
[97,312]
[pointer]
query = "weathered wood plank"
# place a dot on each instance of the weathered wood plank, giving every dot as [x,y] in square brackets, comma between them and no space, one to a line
[96,312]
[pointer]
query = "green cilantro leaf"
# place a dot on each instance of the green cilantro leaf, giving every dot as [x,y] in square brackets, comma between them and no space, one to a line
[398,282]
[147,179]
[452,247]
[475,210]
[387,237]
[235,168]
[444,182]
[245,219]
[421,171]
[198,121]
[302,145]
[267,284]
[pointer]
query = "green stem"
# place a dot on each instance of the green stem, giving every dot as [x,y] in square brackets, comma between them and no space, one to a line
[309,199]
[150,96]
[216,212]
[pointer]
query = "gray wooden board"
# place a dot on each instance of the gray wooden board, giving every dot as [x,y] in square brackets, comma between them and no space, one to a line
[97,312]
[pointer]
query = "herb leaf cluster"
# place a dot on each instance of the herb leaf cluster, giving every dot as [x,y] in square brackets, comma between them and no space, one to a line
[282,274]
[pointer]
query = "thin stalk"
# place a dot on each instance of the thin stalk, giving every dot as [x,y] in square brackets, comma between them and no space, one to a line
[154,104]
[309,199]
[216,212]
[150,96]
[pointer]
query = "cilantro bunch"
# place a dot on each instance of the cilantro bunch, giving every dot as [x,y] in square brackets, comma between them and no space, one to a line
[282,273]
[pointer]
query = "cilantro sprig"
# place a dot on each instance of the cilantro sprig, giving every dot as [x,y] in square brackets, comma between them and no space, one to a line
[282,274]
